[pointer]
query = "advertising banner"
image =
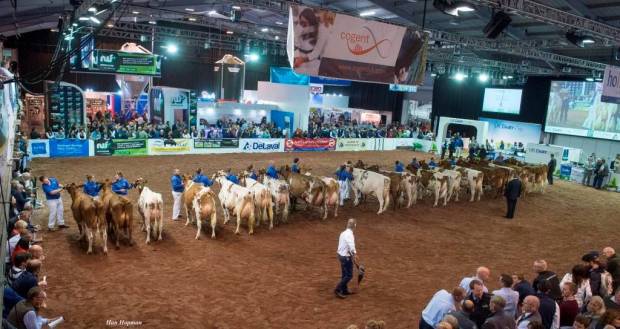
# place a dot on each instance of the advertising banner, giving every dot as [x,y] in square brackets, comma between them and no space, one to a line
[111,61]
[262,145]
[125,147]
[224,143]
[512,131]
[329,44]
[355,144]
[39,148]
[169,146]
[103,147]
[34,114]
[541,153]
[611,85]
[62,148]
[310,144]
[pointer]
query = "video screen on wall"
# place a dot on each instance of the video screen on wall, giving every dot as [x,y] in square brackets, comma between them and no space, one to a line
[575,108]
[500,100]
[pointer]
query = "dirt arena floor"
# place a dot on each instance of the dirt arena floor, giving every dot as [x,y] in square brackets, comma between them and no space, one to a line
[285,278]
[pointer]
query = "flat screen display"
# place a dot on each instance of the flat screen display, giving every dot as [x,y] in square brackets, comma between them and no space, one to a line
[499,100]
[575,108]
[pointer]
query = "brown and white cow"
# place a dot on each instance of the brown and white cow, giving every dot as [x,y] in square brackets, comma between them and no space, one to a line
[473,180]
[118,211]
[236,199]
[151,209]
[280,193]
[191,188]
[89,216]
[435,183]
[306,187]
[371,183]
[332,193]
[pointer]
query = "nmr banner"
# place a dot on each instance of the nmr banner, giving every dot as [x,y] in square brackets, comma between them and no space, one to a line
[611,85]
[310,144]
[328,44]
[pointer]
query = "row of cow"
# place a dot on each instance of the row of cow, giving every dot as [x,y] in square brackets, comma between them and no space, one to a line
[267,199]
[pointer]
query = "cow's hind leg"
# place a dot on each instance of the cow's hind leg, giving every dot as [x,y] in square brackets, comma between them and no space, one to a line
[89,236]
[213,223]
[198,222]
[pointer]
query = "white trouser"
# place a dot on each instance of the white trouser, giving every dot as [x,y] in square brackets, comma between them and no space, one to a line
[344,191]
[176,208]
[56,212]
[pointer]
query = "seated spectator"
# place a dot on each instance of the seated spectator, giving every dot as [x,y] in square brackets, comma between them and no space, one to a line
[499,319]
[582,321]
[23,245]
[610,320]
[454,323]
[613,302]
[25,314]
[568,307]
[522,286]
[481,300]
[445,325]
[530,312]
[19,266]
[10,299]
[511,297]
[29,278]
[596,270]
[596,309]
[17,192]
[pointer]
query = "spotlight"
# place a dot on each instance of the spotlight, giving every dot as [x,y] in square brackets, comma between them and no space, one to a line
[82,18]
[230,32]
[578,40]
[452,8]
[433,75]
[367,13]
[460,76]
[236,7]
[189,9]
[483,77]
[92,9]
[135,12]
[95,20]
[590,79]
[153,22]
[212,12]
[253,57]
[277,37]
[264,29]
[191,19]
[279,23]
[171,48]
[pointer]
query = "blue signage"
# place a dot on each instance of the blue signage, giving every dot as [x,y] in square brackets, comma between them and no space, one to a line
[62,148]
[38,148]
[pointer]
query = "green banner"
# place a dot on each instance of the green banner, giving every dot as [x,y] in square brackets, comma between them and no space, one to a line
[103,147]
[126,147]
[110,61]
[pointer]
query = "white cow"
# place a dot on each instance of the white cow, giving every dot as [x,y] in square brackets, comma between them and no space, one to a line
[454,183]
[150,207]
[204,207]
[262,199]
[280,192]
[237,199]
[368,182]
[473,180]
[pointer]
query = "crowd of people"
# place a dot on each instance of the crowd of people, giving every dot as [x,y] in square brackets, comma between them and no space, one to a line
[417,128]
[588,297]
[595,169]
[454,145]
[25,285]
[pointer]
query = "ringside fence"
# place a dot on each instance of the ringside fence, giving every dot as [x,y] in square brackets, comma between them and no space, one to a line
[54,148]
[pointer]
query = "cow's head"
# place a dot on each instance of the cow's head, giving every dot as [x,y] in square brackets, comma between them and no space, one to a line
[140,183]
[106,185]
[72,189]
[359,164]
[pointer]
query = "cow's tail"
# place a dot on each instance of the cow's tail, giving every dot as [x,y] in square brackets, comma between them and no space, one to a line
[386,193]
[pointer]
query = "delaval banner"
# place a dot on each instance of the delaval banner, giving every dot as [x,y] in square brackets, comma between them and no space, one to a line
[310,144]
[169,146]
[324,43]
[64,148]
[512,131]
[261,145]
[39,148]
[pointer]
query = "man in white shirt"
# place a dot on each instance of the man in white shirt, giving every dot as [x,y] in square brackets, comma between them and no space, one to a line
[482,275]
[510,296]
[441,304]
[347,255]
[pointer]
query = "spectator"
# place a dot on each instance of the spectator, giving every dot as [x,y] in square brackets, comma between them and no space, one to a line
[23,245]
[29,278]
[450,319]
[37,252]
[540,267]
[530,313]
[482,275]
[522,286]
[595,273]
[441,304]
[613,302]
[581,322]
[595,310]
[25,314]
[610,320]
[580,277]
[613,266]
[19,266]
[481,302]
[549,310]
[511,297]
[499,319]
[463,315]
[568,307]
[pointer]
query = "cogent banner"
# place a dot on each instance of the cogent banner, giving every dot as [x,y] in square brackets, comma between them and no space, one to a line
[324,43]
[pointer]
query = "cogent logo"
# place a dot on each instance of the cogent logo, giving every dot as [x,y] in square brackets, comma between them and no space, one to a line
[362,44]
[261,146]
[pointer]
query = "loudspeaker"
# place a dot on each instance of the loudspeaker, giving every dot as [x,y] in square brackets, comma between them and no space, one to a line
[499,21]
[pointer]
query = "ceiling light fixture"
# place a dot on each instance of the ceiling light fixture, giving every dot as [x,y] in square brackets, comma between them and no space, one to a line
[452,8]
[264,29]
[279,23]
[153,22]
[189,9]
[191,19]
[230,32]
[135,12]
[212,12]
[236,7]
[277,37]
[367,13]
[92,9]
[110,25]
[95,20]
[579,40]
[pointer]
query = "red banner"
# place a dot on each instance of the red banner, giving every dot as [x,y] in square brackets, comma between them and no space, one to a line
[310,144]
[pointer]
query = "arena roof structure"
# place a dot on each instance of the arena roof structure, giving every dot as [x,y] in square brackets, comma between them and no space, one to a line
[569,37]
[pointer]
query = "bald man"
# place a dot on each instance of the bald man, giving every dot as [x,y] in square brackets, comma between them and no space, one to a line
[530,312]
[37,252]
[613,266]
[482,275]
[463,315]
[347,255]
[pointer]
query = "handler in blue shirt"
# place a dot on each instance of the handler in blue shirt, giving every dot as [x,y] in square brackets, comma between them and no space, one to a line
[231,177]
[272,171]
[252,172]
[200,178]
[344,177]
[91,187]
[432,164]
[120,186]
[399,167]
[295,166]
[177,191]
[52,190]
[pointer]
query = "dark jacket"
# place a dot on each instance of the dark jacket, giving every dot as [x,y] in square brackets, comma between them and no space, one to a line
[500,320]
[463,319]
[533,317]
[613,267]
[610,305]
[524,289]
[595,281]
[555,292]
[546,310]
[482,309]
[25,281]
[513,189]
[552,164]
